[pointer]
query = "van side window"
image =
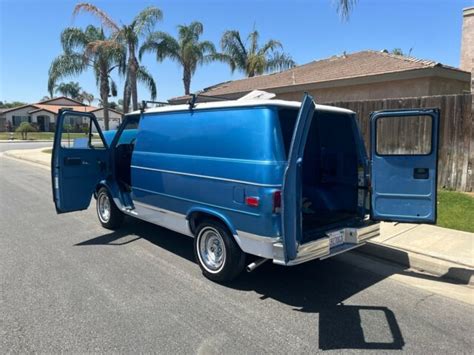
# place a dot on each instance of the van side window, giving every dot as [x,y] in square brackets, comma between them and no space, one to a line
[287,118]
[130,131]
[415,140]
[80,132]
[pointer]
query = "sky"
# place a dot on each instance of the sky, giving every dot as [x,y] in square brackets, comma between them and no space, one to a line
[308,29]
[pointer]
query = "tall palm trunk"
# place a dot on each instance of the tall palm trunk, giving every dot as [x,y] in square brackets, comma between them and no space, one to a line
[131,90]
[126,95]
[187,81]
[104,93]
[133,84]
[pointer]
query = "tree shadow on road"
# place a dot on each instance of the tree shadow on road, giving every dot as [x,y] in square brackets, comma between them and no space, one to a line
[318,287]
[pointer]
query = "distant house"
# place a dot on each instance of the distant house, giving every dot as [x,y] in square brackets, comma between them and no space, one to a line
[362,75]
[43,114]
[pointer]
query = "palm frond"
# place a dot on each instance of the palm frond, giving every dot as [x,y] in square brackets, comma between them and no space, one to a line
[163,45]
[270,46]
[65,65]
[344,8]
[253,38]
[73,37]
[113,87]
[279,61]
[101,15]
[234,48]
[146,78]
[146,20]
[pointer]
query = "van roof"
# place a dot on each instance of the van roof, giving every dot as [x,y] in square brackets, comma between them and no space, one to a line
[242,103]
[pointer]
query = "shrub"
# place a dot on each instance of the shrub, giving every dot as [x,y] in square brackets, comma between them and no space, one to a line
[24,128]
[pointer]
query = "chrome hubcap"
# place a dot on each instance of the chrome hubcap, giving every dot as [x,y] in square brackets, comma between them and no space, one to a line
[211,249]
[103,207]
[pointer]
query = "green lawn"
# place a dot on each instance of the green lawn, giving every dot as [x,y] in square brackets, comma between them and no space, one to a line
[456,210]
[37,135]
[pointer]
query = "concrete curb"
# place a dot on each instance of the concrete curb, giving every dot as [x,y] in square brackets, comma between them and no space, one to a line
[459,273]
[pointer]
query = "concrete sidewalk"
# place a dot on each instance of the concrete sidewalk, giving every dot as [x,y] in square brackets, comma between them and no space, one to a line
[439,251]
[443,252]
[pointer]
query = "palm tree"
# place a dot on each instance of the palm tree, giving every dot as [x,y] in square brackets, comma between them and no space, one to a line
[187,50]
[85,96]
[250,57]
[129,35]
[71,90]
[85,49]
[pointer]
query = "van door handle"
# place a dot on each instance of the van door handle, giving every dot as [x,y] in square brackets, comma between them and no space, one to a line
[73,161]
[421,173]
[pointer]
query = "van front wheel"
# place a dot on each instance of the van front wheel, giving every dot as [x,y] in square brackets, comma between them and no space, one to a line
[109,215]
[217,253]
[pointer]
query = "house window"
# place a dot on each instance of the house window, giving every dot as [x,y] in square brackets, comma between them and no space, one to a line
[17,120]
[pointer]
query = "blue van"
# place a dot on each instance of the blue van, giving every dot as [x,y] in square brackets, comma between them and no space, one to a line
[284,181]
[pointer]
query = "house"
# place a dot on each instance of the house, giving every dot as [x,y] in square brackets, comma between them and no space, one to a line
[362,75]
[43,114]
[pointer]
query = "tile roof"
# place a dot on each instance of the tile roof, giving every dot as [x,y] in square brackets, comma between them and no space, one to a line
[43,105]
[55,108]
[359,64]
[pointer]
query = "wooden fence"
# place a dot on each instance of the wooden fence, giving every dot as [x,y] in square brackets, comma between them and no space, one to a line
[456,150]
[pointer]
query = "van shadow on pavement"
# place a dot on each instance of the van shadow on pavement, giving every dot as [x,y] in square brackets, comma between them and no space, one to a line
[318,287]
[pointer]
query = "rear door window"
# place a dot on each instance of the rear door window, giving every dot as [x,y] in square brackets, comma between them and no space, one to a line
[404,135]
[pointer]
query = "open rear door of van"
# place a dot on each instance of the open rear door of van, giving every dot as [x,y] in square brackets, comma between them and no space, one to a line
[79,161]
[292,186]
[404,159]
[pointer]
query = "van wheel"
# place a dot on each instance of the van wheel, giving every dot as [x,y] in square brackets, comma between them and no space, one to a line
[109,215]
[217,253]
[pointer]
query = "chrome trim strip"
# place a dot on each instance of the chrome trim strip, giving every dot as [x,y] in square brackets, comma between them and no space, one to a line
[162,210]
[260,238]
[164,218]
[197,202]
[255,244]
[206,177]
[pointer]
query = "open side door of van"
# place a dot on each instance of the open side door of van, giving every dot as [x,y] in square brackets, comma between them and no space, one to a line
[79,161]
[292,185]
[404,159]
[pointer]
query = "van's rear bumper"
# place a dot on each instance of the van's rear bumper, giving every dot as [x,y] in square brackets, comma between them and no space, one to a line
[320,248]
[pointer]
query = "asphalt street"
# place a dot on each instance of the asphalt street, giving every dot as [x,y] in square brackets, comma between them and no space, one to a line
[67,285]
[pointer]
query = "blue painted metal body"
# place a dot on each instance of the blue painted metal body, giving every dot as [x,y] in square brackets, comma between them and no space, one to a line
[211,163]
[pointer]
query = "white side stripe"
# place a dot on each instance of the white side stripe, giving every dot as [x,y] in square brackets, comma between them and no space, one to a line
[206,176]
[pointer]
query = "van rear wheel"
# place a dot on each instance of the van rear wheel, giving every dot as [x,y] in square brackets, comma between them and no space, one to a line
[109,215]
[217,253]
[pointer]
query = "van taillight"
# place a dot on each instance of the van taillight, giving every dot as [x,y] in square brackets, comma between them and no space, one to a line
[276,201]
[252,201]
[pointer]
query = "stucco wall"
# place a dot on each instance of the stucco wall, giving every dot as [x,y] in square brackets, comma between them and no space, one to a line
[389,89]
[114,119]
[20,112]
[385,90]
[443,86]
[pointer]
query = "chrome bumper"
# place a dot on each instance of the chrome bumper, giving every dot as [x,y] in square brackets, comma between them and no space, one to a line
[320,248]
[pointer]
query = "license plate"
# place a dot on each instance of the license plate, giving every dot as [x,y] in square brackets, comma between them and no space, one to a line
[335,240]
